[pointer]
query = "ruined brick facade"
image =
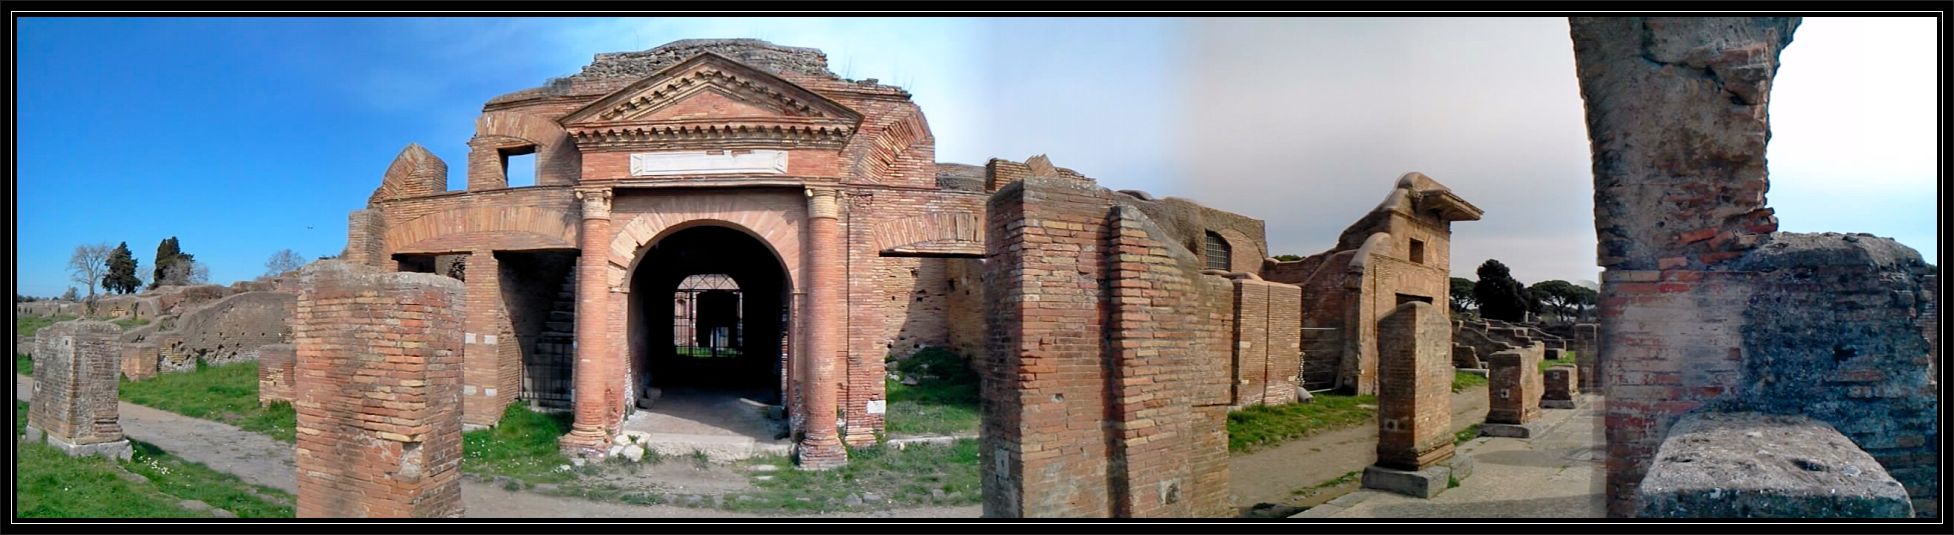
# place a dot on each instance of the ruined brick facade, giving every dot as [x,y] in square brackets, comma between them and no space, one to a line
[1704,307]
[378,363]
[1107,383]
[833,181]
[1399,252]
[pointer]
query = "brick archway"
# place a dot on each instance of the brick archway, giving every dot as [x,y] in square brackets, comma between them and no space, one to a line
[488,227]
[771,221]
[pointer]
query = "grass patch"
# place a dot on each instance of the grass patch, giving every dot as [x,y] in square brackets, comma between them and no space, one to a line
[130,323]
[227,393]
[1462,381]
[51,484]
[191,481]
[522,446]
[23,364]
[1565,360]
[944,400]
[1260,425]
[28,325]
[1466,434]
[905,477]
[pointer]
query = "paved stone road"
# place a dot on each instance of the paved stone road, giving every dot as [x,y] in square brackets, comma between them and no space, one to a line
[261,460]
[1559,474]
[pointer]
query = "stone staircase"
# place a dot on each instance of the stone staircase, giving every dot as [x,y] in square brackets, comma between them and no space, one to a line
[547,380]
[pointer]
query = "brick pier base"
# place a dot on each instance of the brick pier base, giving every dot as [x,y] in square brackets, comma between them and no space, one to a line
[75,406]
[378,393]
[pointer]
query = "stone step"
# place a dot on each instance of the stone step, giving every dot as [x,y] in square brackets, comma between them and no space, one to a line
[562,315]
[561,326]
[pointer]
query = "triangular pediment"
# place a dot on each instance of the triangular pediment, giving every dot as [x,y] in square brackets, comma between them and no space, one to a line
[711,88]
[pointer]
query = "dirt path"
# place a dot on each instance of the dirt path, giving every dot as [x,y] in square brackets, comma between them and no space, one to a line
[1270,475]
[260,460]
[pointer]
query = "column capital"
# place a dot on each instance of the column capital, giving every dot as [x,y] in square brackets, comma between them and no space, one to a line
[596,203]
[823,203]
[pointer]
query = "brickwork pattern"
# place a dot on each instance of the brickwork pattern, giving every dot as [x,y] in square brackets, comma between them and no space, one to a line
[1515,387]
[1673,189]
[378,394]
[139,360]
[1414,397]
[277,373]
[1060,364]
[1560,384]
[75,367]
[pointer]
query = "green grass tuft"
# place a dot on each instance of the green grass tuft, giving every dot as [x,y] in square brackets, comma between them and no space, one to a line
[901,477]
[1462,381]
[227,393]
[23,364]
[522,446]
[944,400]
[130,323]
[28,325]
[1466,434]
[51,484]
[1261,425]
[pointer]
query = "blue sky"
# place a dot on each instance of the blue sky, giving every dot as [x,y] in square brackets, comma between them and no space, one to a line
[245,136]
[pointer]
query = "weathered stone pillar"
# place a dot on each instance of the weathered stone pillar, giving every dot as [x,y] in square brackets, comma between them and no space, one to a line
[74,403]
[378,393]
[1561,388]
[1414,404]
[277,371]
[1514,389]
[590,433]
[821,447]
[139,360]
[1585,348]
[488,383]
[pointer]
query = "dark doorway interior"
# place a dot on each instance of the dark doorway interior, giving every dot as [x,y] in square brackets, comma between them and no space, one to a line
[712,303]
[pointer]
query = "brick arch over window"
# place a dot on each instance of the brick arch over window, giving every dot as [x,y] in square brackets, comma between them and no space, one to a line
[557,159]
[772,219]
[934,230]
[488,227]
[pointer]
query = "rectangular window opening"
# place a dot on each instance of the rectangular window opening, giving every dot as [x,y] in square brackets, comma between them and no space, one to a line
[519,166]
[1418,251]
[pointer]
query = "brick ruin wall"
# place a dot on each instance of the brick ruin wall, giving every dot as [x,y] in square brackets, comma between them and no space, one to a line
[75,398]
[378,393]
[1266,329]
[1704,306]
[1414,398]
[277,373]
[1103,396]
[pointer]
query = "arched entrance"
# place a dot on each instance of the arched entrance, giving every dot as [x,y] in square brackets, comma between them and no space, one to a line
[708,320]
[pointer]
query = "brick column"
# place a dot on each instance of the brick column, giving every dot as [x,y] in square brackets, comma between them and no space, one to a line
[590,434]
[821,447]
[1414,397]
[483,394]
[378,393]
[277,369]
[75,402]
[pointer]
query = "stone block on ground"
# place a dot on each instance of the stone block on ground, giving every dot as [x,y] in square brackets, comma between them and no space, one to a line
[1752,465]
[74,405]
[1562,390]
[1527,430]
